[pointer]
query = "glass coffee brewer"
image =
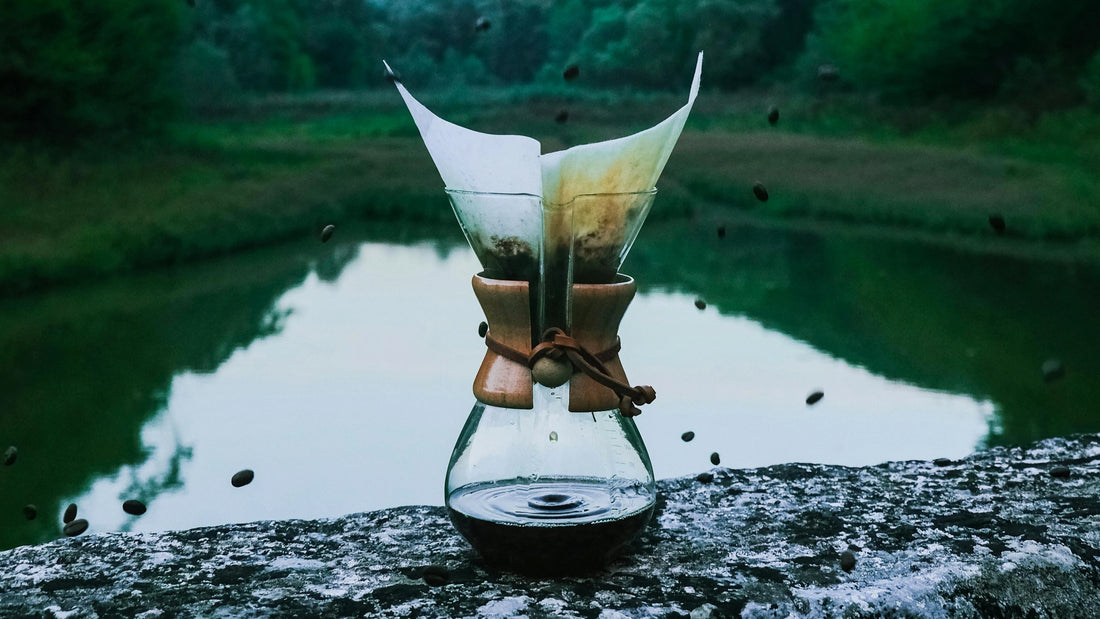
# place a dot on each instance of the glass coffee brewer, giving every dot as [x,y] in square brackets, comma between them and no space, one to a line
[550,474]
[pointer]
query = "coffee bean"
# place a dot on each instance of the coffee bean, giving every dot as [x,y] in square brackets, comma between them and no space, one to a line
[1061,472]
[705,477]
[773,115]
[562,116]
[392,76]
[553,436]
[70,513]
[721,232]
[435,576]
[134,507]
[482,329]
[997,222]
[326,233]
[714,459]
[760,191]
[76,527]
[10,454]
[482,24]
[847,561]
[1053,370]
[30,512]
[687,436]
[814,397]
[943,462]
[571,72]
[242,478]
[700,304]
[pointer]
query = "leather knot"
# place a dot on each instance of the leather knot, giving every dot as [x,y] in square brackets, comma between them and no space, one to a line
[556,344]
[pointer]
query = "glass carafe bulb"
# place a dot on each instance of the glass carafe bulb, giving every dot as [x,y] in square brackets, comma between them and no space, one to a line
[547,490]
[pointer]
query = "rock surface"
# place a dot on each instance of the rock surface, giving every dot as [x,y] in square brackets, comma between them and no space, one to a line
[991,535]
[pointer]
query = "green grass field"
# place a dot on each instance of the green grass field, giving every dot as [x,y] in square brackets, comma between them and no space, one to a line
[278,167]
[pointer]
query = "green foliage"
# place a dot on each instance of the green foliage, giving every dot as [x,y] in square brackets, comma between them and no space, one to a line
[957,48]
[341,40]
[204,74]
[639,44]
[743,57]
[652,43]
[262,43]
[1090,81]
[74,68]
[78,67]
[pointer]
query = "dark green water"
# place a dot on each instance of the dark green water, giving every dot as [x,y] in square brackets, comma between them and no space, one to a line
[341,372]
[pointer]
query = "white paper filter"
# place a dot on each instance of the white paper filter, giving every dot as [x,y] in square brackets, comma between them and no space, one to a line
[472,161]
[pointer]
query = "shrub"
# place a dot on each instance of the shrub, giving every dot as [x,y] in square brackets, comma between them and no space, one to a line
[74,68]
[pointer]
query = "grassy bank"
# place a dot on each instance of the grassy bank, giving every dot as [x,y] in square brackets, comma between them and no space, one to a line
[277,168]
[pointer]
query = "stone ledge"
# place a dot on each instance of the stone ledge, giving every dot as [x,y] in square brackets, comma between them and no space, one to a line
[994,534]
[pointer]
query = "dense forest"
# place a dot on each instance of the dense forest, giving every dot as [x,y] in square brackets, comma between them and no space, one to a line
[72,67]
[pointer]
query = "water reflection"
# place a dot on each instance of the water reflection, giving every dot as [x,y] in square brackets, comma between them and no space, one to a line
[159,387]
[87,376]
[980,325]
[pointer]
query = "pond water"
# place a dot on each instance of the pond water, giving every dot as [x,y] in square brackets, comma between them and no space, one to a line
[340,373]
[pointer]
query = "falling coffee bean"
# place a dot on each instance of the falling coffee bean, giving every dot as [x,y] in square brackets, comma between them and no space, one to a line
[814,397]
[687,436]
[242,478]
[943,462]
[847,561]
[326,233]
[760,191]
[562,116]
[700,304]
[76,527]
[721,232]
[705,477]
[773,115]
[435,576]
[482,24]
[10,454]
[482,329]
[70,513]
[714,459]
[30,512]
[1053,370]
[133,507]
[571,72]
[1060,472]
[997,222]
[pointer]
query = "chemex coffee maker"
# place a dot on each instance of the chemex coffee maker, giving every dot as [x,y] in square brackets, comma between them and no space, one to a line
[550,474]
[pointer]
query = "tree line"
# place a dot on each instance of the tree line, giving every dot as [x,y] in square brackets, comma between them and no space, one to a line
[124,66]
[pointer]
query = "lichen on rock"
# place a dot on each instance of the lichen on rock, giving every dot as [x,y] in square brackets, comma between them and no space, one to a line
[990,535]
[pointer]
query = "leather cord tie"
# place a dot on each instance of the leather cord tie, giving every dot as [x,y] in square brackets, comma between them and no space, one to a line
[556,344]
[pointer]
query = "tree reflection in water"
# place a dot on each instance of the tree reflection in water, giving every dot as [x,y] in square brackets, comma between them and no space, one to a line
[83,370]
[86,373]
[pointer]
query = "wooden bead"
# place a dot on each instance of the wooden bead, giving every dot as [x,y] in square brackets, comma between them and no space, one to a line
[550,373]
